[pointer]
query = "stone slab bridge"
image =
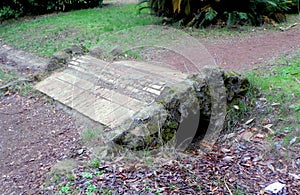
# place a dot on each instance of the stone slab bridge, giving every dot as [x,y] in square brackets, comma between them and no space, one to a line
[108,93]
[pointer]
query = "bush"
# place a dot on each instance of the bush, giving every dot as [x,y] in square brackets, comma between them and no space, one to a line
[16,8]
[223,12]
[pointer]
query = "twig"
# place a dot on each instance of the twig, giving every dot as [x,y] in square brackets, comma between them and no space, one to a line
[227,187]
[289,27]
[15,82]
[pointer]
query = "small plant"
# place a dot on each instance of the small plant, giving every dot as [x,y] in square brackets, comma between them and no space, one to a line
[90,135]
[95,163]
[98,173]
[91,188]
[71,177]
[65,189]
[106,192]
[87,175]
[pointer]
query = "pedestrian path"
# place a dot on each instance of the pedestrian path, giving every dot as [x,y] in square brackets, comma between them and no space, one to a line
[106,92]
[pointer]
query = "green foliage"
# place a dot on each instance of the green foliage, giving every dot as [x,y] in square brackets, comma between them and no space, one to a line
[203,13]
[16,8]
[7,12]
[47,35]
[95,163]
[87,175]
[65,189]
[280,84]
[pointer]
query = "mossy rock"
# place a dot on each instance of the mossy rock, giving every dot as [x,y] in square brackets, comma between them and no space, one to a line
[61,58]
[157,124]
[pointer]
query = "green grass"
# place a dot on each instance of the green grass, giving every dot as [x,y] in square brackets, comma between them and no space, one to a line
[45,35]
[90,136]
[6,75]
[280,84]
[50,33]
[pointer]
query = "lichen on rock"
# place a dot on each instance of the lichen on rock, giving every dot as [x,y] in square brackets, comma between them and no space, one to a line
[199,96]
[61,58]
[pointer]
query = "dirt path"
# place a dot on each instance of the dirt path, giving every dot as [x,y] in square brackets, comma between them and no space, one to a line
[240,54]
[34,134]
[243,54]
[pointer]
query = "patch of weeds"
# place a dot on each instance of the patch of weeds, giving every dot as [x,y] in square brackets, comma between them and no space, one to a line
[91,189]
[11,82]
[158,191]
[71,177]
[65,189]
[106,191]
[87,175]
[24,89]
[90,135]
[240,109]
[238,192]
[6,75]
[279,86]
[95,163]
[98,173]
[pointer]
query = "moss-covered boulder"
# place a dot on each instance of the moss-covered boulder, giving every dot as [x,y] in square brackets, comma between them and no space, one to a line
[141,131]
[61,58]
[183,108]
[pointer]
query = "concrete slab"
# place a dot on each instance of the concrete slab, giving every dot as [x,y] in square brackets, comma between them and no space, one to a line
[108,93]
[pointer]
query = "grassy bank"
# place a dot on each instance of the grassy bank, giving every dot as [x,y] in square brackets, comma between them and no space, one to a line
[47,34]
[44,35]
[279,85]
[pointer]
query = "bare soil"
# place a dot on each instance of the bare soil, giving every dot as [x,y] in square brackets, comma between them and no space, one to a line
[35,134]
[240,53]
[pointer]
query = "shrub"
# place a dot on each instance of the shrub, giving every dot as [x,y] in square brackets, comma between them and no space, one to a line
[223,12]
[16,8]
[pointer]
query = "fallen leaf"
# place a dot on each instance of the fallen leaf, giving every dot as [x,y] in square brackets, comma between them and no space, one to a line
[268,126]
[275,104]
[295,176]
[263,99]
[256,159]
[260,136]
[215,189]
[270,166]
[246,136]
[249,121]
[225,150]
[246,165]
[275,188]
[293,140]
[228,158]
[236,107]
[230,135]
[265,121]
